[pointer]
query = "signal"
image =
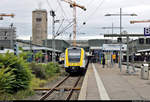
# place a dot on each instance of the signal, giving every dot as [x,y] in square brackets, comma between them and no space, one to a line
[16,49]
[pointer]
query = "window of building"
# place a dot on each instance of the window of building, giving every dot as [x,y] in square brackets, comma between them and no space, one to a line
[38,19]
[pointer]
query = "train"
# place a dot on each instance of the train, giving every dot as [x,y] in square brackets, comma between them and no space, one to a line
[76,60]
[61,59]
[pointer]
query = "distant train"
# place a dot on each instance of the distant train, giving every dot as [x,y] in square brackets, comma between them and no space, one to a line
[75,60]
[61,59]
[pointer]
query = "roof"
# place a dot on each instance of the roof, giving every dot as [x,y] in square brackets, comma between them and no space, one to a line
[96,48]
[40,48]
[145,50]
[5,50]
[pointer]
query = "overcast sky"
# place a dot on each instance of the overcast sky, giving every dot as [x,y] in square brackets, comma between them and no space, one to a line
[93,16]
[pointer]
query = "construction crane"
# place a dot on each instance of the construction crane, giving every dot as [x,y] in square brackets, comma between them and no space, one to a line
[74,5]
[6,15]
[143,21]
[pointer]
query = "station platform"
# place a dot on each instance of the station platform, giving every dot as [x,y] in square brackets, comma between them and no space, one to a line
[111,84]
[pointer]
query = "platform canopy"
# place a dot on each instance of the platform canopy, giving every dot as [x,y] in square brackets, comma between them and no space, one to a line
[114,47]
[95,48]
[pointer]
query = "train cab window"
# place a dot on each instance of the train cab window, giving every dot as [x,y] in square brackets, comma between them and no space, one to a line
[74,55]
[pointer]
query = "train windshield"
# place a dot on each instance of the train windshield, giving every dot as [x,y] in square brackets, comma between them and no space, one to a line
[74,55]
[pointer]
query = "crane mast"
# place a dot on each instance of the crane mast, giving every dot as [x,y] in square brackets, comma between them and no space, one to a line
[74,5]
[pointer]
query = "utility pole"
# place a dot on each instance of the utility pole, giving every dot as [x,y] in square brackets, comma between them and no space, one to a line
[120,65]
[74,26]
[112,28]
[46,60]
[120,62]
[74,5]
[11,39]
[30,44]
[52,13]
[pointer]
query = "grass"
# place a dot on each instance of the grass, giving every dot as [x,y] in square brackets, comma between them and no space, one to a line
[17,96]
[35,83]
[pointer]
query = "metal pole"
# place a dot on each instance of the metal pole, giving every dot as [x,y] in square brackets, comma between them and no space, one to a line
[74,26]
[127,53]
[30,44]
[11,34]
[112,28]
[46,60]
[53,38]
[120,64]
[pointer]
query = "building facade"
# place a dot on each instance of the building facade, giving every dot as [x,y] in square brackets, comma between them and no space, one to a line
[7,33]
[59,44]
[7,37]
[39,26]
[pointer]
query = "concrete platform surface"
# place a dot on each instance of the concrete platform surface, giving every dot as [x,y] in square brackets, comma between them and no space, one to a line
[111,84]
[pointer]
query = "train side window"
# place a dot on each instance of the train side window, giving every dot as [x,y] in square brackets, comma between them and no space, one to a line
[141,40]
[147,40]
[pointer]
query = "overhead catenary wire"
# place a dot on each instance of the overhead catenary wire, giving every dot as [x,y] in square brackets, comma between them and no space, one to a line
[92,14]
[60,26]
[49,5]
[65,15]
[67,27]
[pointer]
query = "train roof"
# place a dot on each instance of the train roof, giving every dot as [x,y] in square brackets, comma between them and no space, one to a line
[74,48]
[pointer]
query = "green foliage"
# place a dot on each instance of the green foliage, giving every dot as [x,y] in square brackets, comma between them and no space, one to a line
[38,56]
[52,68]
[38,70]
[36,82]
[43,71]
[6,80]
[20,48]
[17,96]
[18,69]
[25,55]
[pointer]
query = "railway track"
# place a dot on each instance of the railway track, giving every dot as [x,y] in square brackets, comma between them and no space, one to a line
[63,86]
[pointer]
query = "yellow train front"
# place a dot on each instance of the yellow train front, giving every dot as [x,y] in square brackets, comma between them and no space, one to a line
[75,60]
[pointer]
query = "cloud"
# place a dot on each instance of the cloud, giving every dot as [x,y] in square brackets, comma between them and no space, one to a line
[94,16]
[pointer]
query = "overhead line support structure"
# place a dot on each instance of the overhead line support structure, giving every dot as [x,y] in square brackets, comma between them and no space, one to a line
[127,36]
[120,14]
[74,5]
[52,13]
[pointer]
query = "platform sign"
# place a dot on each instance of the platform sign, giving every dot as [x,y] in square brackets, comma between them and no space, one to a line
[114,47]
[146,31]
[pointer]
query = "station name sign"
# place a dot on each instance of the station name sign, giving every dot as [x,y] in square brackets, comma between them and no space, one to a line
[114,47]
[146,31]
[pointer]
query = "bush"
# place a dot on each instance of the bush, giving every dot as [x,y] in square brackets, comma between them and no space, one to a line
[6,80]
[18,70]
[36,82]
[52,68]
[38,70]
